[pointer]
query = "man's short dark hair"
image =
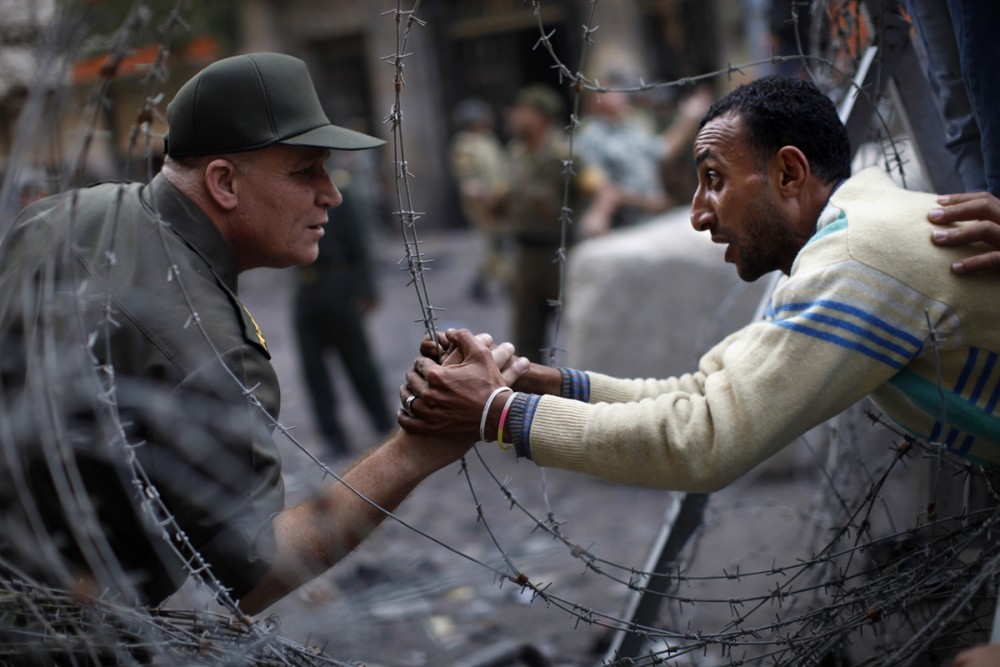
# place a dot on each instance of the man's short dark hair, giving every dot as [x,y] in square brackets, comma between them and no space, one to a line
[783,111]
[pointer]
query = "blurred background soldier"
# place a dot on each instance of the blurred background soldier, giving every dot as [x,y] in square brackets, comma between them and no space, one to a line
[536,152]
[333,296]
[479,166]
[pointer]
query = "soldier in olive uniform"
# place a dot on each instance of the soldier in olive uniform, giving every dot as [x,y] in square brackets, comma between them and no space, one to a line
[479,165]
[537,153]
[332,297]
[120,323]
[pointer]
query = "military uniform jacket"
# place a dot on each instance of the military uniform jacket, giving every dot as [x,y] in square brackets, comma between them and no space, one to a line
[154,305]
[479,163]
[537,182]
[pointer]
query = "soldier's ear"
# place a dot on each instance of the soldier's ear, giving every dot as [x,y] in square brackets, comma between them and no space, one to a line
[220,183]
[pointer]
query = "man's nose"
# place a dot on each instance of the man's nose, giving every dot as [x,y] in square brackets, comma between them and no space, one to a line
[329,194]
[702,217]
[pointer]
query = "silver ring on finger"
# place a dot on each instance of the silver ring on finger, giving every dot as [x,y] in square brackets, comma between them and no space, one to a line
[409,402]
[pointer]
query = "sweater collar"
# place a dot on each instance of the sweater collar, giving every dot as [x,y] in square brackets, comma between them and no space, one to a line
[830,213]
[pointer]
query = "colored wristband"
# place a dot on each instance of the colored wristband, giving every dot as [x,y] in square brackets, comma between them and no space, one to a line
[503,419]
[486,410]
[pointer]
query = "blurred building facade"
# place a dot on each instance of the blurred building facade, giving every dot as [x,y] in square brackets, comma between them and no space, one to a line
[482,48]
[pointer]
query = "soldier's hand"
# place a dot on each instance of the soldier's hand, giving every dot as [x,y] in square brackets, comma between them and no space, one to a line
[446,400]
[511,366]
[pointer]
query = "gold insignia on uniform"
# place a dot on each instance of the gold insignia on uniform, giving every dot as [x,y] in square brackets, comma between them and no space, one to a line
[260,334]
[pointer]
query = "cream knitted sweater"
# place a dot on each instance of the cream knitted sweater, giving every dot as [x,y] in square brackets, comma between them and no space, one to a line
[854,318]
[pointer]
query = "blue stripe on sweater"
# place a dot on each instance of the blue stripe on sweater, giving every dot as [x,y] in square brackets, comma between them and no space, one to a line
[963,450]
[936,432]
[974,397]
[859,330]
[960,414]
[994,397]
[984,376]
[861,314]
[841,341]
[963,377]
[977,392]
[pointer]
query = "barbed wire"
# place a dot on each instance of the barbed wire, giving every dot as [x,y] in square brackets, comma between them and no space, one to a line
[863,539]
[416,262]
[241,638]
[931,575]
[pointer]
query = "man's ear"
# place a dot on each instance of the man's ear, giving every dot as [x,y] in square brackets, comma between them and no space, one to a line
[793,169]
[220,183]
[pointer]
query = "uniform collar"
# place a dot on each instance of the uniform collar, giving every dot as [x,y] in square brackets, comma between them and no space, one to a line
[194,227]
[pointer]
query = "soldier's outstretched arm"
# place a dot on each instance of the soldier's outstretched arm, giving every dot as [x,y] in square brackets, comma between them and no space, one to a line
[314,535]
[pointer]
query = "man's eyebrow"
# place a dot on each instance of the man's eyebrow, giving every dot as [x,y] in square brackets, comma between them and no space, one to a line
[702,156]
[309,158]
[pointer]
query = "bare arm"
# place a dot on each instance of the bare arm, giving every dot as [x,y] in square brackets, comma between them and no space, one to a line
[681,132]
[317,533]
[980,656]
[596,220]
[983,210]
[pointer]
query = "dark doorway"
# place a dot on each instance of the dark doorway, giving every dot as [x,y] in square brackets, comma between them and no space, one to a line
[341,76]
[490,49]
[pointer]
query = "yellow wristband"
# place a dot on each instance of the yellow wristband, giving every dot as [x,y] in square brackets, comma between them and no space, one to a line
[503,420]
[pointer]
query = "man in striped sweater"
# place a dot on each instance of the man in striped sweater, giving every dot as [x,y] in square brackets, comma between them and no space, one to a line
[869,307]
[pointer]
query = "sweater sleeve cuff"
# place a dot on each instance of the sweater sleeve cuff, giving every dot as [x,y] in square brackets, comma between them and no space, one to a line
[522,410]
[575,384]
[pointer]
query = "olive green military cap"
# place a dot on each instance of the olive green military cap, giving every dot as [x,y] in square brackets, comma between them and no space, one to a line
[252,101]
[541,97]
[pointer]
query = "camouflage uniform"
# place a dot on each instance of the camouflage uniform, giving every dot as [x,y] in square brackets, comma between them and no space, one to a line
[629,155]
[479,165]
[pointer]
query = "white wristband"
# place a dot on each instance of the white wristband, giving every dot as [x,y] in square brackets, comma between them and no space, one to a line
[486,411]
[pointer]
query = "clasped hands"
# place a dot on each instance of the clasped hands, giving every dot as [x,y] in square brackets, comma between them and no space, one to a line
[449,384]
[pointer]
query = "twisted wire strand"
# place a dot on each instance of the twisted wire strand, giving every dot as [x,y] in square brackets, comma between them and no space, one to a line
[832,596]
